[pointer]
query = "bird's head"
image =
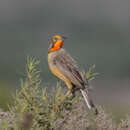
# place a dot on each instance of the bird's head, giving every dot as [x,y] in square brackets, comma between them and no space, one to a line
[56,43]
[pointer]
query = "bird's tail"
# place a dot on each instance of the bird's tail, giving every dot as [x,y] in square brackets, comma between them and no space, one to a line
[88,101]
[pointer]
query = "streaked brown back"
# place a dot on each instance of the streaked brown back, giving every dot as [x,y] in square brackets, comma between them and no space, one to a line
[68,67]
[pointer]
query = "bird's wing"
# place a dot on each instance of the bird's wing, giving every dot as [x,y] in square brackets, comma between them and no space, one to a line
[68,67]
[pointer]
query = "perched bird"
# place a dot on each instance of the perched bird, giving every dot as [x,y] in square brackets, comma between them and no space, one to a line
[66,69]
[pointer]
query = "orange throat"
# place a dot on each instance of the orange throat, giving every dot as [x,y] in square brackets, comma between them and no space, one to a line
[56,46]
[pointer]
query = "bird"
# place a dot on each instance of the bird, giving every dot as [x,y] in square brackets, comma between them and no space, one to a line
[63,66]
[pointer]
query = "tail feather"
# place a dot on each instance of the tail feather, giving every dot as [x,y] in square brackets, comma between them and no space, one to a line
[88,101]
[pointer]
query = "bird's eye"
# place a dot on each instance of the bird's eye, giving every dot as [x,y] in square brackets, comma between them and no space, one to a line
[55,40]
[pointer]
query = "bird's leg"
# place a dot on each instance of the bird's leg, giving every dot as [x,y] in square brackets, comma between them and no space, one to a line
[69,94]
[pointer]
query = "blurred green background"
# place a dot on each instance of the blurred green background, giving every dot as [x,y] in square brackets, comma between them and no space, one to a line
[98,33]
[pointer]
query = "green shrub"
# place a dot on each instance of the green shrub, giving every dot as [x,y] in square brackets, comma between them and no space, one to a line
[36,109]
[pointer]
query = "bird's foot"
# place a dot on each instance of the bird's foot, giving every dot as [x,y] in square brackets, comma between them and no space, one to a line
[69,95]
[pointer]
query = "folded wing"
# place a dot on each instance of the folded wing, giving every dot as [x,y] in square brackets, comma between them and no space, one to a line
[69,68]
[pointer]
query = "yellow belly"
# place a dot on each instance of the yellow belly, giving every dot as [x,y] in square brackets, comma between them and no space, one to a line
[63,78]
[57,73]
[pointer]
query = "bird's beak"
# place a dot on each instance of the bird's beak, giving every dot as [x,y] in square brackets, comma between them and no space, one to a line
[64,38]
